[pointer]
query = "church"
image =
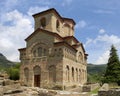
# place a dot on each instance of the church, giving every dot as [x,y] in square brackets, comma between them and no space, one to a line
[53,56]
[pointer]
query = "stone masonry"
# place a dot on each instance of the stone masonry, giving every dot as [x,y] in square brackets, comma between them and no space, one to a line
[53,56]
[105,90]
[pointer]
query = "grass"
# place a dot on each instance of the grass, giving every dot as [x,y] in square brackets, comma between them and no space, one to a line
[114,86]
[95,91]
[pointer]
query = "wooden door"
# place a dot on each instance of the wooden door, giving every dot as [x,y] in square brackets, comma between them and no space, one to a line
[37,80]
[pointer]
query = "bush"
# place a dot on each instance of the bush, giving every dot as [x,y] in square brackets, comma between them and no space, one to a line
[74,86]
[57,87]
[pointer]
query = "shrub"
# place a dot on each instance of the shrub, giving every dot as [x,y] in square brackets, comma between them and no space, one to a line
[74,86]
[57,87]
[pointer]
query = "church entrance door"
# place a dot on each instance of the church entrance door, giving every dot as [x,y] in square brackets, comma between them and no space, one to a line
[37,76]
[37,80]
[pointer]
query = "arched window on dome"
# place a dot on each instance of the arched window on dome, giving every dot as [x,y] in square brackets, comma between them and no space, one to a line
[72,73]
[57,25]
[67,29]
[80,57]
[43,22]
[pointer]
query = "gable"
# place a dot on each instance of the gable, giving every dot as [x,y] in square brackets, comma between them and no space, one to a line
[40,36]
[71,40]
[63,43]
[79,46]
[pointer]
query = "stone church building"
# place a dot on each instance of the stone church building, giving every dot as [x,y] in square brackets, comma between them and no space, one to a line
[53,56]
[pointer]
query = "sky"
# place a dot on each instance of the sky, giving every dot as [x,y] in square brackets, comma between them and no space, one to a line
[97,24]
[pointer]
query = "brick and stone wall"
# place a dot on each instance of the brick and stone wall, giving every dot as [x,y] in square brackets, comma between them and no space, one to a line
[62,63]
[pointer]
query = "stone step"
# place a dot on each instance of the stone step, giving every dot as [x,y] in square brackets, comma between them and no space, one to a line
[67,93]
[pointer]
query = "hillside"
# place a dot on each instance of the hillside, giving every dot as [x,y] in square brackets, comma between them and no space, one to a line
[95,69]
[4,63]
[95,72]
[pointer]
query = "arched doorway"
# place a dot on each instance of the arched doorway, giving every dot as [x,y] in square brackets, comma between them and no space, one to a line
[37,76]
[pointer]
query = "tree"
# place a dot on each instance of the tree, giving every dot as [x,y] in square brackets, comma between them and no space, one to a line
[14,72]
[112,74]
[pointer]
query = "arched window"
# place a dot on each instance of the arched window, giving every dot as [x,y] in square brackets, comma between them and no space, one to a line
[67,73]
[67,29]
[43,22]
[82,74]
[80,57]
[39,51]
[72,73]
[55,52]
[79,75]
[57,25]
[44,52]
[60,52]
[34,53]
[76,74]
[72,27]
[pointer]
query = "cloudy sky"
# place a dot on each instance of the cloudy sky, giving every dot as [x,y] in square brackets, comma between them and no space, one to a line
[97,24]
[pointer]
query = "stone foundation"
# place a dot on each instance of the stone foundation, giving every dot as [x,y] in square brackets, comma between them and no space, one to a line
[90,87]
[106,91]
